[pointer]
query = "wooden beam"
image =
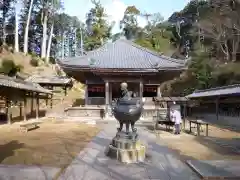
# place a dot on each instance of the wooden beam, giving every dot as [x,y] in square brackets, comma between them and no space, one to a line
[106,98]
[184,116]
[46,101]
[37,107]
[25,108]
[40,96]
[65,91]
[217,108]
[86,94]
[141,89]
[32,103]
[159,94]
[51,101]
[21,109]
[8,109]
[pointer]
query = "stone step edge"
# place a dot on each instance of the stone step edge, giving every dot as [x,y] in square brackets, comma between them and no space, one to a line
[141,146]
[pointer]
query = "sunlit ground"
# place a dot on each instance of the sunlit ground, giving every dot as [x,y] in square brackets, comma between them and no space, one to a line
[53,144]
[220,144]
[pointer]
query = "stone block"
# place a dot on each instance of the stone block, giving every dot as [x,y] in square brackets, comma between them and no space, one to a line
[133,155]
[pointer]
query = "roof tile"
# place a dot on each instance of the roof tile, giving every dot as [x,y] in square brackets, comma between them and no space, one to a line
[218,91]
[123,54]
[21,84]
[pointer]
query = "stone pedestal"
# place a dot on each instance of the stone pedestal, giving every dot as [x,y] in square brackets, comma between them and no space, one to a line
[127,148]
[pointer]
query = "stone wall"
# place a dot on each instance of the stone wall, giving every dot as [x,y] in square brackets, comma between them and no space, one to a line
[88,111]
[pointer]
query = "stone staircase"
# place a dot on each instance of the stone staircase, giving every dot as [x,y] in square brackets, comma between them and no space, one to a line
[59,102]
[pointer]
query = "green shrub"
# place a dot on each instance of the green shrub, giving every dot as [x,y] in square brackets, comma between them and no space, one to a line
[8,67]
[34,54]
[43,59]
[34,62]
[52,60]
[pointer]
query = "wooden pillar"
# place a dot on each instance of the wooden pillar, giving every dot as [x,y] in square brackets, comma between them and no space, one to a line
[217,108]
[32,103]
[207,129]
[37,105]
[86,94]
[190,126]
[8,111]
[20,108]
[110,93]
[25,108]
[46,100]
[184,115]
[141,89]
[51,101]
[141,96]
[159,94]
[65,90]
[106,99]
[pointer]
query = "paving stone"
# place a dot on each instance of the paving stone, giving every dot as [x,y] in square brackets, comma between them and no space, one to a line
[23,172]
[84,172]
[224,169]
[160,164]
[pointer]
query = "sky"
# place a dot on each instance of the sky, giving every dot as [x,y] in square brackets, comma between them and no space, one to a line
[115,8]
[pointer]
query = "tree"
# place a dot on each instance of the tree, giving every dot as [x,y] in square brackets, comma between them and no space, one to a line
[129,23]
[116,36]
[223,27]
[98,29]
[45,11]
[154,35]
[185,26]
[5,8]
[56,6]
[26,31]
[16,43]
[64,27]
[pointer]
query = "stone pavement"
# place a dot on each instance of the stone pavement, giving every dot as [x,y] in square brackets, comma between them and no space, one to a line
[220,169]
[92,164]
[23,172]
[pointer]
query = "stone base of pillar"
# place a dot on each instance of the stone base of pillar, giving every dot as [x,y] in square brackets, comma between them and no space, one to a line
[106,116]
[159,94]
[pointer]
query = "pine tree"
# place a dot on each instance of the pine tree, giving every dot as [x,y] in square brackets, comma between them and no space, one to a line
[99,30]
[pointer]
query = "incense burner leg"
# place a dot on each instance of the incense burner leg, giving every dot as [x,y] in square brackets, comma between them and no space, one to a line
[127,128]
[121,126]
[133,127]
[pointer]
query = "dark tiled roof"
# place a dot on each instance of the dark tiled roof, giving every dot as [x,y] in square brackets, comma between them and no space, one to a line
[49,79]
[123,54]
[21,84]
[219,91]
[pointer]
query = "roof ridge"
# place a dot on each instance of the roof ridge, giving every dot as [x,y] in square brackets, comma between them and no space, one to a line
[150,51]
[218,88]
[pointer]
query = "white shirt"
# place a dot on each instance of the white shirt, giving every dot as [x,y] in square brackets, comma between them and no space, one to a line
[176,117]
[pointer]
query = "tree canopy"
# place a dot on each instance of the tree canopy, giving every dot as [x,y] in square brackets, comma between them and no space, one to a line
[205,31]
